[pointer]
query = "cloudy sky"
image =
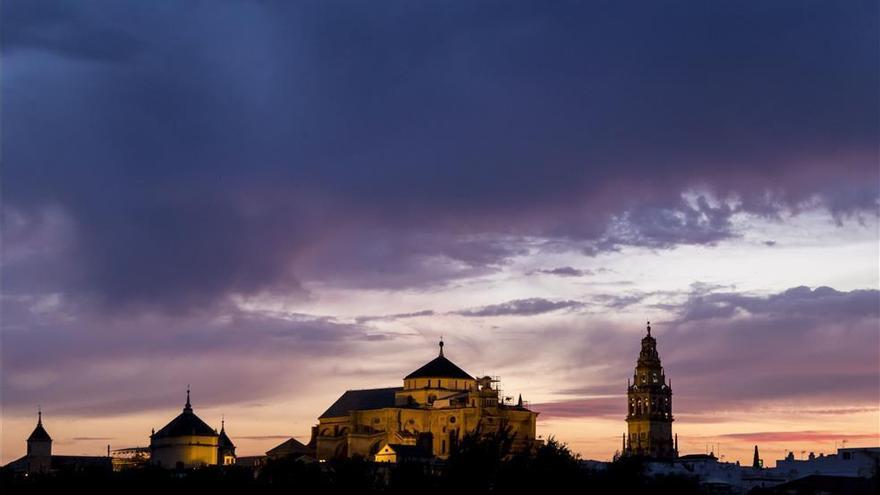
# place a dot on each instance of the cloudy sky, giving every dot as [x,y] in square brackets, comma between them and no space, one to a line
[278,201]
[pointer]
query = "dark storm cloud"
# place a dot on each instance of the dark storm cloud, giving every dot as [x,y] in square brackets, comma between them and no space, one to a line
[397,316]
[565,271]
[200,150]
[822,302]
[520,307]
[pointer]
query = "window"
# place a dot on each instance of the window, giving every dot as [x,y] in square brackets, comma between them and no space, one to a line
[439,383]
[429,383]
[443,446]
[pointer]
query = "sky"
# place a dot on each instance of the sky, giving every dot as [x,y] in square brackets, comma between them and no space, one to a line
[275,202]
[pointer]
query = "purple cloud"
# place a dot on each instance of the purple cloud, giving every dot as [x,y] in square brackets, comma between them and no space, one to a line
[565,271]
[397,316]
[822,302]
[520,307]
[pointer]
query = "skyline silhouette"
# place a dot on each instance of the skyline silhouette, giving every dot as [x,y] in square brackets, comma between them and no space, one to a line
[276,202]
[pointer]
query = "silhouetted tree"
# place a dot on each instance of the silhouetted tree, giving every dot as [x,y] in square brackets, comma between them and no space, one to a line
[477,460]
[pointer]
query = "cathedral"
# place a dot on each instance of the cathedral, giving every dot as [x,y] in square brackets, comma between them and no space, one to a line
[436,406]
[649,398]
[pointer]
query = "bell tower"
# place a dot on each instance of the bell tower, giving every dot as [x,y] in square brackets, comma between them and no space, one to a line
[649,397]
[39,448]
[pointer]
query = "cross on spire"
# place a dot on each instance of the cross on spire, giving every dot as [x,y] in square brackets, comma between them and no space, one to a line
[441,346]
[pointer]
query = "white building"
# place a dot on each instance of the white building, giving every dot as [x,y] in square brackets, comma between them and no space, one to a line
[727,477]
[853,463]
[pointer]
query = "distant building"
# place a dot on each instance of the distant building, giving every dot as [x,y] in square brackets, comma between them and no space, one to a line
[188,442]
[39,458]
[649,397]
[835,473]
[438,404]
[852,462]
[292,449]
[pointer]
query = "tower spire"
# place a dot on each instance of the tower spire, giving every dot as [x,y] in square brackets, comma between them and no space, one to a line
[756,461]
[39,416]
[441,346]
[649,401]
[187,407]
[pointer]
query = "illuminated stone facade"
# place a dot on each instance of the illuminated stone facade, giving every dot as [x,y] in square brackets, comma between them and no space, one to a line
[649,420]
[438,404]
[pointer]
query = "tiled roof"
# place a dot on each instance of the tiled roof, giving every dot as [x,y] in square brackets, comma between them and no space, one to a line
[224,441]
[439,367]
[186,423]
[290,447]
[359,400]
[39,434]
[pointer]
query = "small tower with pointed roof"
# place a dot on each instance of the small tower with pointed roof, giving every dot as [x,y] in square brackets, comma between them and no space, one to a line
[39,448]
[225,447]
[649,397]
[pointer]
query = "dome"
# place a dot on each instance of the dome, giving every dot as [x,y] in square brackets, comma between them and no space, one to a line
[186,424]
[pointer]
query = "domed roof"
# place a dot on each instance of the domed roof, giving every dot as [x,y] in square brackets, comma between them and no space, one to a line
[39,434]
[439,367]
[186,424]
